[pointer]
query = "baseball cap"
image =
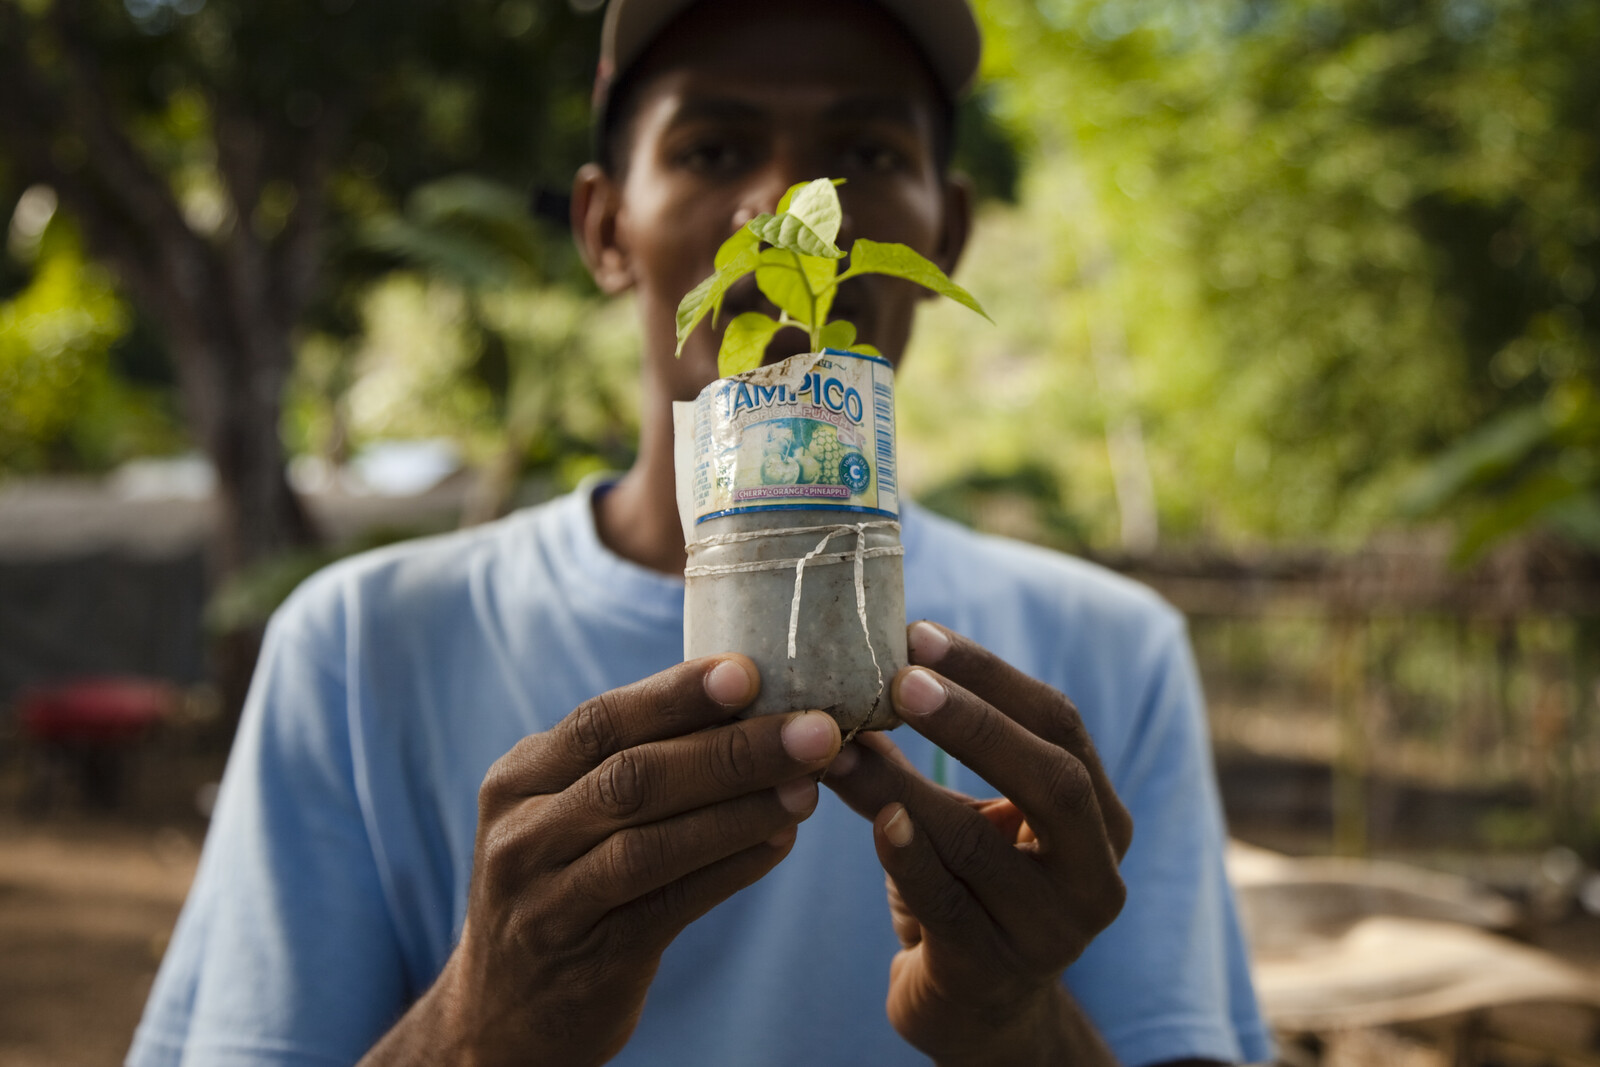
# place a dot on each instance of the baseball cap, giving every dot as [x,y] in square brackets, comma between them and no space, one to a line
[944,30]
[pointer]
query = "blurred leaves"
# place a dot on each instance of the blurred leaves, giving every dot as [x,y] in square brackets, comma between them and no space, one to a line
[466,229]
[53,336]
[1335,261]
[61,402]
[227,158]
[482,332]
[1326,239]
[1532,466]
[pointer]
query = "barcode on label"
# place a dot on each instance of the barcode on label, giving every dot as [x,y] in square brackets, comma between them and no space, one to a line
[883,416]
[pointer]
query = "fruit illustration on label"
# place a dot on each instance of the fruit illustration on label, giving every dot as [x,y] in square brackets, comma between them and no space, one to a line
[777,469]
[826,448]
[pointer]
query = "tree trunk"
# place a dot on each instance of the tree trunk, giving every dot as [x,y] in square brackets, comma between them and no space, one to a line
[258,515]
[234,357]
[227,299]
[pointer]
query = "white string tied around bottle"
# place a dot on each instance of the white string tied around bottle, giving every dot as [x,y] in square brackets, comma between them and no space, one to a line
[815,558]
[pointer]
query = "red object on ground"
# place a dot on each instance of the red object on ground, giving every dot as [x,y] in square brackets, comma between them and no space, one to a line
[104,711]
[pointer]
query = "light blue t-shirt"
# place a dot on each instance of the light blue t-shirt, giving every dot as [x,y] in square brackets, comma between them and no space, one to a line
[334,879]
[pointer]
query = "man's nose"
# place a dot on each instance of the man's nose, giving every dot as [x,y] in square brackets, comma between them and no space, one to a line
[761,197]
[763,194]
[767,186]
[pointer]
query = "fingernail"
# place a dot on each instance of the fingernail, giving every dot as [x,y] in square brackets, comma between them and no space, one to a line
[810,737]
[798,796]
[844,762]
[919,693]
[928,643]
[728,683]
[898,829]
[783,838]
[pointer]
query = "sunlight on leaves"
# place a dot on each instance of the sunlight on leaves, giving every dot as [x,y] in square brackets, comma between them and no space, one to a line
[745,342]
[871,257]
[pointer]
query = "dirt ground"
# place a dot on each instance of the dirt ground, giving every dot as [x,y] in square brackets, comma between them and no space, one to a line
[87,904]
[86,908]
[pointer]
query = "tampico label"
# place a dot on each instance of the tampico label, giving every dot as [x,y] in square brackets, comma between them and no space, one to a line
[813,432]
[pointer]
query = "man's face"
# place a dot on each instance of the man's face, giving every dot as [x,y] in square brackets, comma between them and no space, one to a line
[740,100]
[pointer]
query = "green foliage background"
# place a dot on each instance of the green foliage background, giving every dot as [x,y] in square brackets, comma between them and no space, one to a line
[1329,241]
[1330,265]
[69,394]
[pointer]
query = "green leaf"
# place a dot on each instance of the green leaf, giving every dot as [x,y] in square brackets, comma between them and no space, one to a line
[791,281]
[866,350]
[818,209]
[743,239]
[791,232]
[706,298]
[896,260]
[790,193]
[745,341]
[839,334]
[779,278]
[788,196]
[820,274]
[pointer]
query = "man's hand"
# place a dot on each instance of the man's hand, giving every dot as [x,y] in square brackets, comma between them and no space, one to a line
[598,842]
[991,899]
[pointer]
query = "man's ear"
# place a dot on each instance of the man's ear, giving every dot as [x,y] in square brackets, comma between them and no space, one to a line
[958,198]
[596,199]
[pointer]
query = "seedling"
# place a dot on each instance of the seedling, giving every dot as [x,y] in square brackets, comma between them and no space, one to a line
[799,272]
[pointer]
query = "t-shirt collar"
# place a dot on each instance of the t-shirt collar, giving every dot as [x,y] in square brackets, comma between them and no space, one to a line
[630,586]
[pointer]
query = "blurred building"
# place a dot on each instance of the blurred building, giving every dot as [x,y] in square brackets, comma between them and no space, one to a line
[109,577]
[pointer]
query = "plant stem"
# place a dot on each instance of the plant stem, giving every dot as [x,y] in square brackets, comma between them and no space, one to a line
[805,283]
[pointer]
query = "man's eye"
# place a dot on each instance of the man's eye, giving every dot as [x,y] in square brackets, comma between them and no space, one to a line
[874,157]
[712,157]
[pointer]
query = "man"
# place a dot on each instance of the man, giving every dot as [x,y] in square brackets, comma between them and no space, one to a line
[631,883]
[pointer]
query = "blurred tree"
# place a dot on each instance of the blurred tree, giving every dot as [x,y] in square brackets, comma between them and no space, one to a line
[1336,236]
[547,346]
[54,337]
[220,155]
[80,388]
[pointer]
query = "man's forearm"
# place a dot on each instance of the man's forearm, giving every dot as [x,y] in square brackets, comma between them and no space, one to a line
[422,1036]
[1056,1033]
[435,1031]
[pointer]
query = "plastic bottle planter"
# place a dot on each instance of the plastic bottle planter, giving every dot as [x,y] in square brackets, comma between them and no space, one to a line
[787,493]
